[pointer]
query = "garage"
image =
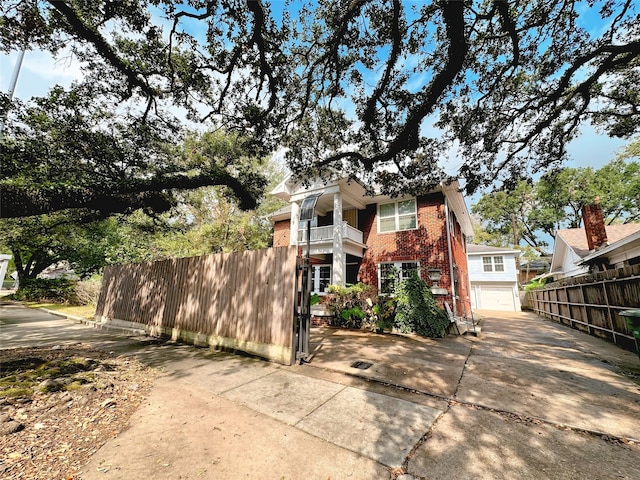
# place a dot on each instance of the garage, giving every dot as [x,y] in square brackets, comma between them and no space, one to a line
[493,278]
[494,297]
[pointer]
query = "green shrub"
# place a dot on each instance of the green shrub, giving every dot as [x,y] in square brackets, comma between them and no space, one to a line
[88,291]
[352,305]
[55,290]
[385,312]
[535,284]
[416,309]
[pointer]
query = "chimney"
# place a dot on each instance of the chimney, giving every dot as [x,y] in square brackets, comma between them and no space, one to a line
[594,225]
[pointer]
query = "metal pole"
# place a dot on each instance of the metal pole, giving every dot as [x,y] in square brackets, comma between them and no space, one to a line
[12,87]
[305,317]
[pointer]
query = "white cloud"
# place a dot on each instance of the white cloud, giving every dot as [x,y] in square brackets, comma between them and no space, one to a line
[40,71]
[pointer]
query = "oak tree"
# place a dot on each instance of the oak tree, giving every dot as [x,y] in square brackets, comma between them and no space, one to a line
[378,89]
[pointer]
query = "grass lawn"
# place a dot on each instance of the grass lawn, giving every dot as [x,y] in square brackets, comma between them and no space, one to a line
[84,311]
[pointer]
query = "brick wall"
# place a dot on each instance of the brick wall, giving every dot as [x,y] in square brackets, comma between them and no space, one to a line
[281,233]
[427,244]
[594,225]
[458,252]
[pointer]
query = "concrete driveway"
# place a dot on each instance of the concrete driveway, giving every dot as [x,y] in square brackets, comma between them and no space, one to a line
[527,398]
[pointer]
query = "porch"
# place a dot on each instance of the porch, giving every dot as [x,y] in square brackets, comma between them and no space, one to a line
[322,239]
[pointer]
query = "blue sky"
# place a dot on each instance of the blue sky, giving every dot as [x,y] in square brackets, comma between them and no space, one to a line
[40,72]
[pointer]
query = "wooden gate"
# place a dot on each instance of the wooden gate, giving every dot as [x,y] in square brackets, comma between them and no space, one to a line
[239,301]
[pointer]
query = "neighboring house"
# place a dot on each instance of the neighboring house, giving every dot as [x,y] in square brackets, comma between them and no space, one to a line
[576,251]
[618,254]
[58,270]
[359,238]
[4,263]
[493,274]
[530,269]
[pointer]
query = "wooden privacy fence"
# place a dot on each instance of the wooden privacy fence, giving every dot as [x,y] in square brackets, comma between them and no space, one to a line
[241,301]
[593,303]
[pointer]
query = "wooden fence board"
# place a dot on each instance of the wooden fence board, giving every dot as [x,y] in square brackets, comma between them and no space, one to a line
[593,303]
[243,298]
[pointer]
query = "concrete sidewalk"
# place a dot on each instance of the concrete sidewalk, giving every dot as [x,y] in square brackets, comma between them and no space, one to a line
[525,400]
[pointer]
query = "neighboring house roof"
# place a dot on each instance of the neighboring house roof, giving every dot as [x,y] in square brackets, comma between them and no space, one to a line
[540,264]
[572,242]
[576,238]
[283,213]
[486,249]
[627,248]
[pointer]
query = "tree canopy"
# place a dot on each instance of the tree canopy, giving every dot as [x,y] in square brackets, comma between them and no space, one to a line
[379,89]
[204,220]
[534,210]
[70,150]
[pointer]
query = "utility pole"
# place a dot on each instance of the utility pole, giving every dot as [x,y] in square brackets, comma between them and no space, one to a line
[12,87]
[514,227]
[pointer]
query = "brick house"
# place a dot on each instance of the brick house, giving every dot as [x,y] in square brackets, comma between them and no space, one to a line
[359,238]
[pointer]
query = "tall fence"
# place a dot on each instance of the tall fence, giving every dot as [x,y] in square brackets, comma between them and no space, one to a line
[240,301]
[593,303]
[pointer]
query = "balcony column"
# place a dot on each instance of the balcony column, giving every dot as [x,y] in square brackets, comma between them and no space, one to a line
[339,257]
[295,214]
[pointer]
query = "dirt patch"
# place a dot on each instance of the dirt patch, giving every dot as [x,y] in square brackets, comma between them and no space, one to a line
[59,405]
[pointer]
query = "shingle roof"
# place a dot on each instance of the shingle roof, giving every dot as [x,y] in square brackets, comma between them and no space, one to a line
[473,249]
[576,238]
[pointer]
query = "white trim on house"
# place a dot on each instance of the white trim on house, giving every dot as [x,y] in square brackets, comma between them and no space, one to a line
[402,274]
[317,278]
[492,263]
[397,216]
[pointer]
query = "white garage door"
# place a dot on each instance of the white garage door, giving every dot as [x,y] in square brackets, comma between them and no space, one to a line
[491,297]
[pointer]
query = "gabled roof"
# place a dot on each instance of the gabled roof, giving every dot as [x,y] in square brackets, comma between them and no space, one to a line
[283,213]
[576,238]
[481,249]
[627,247]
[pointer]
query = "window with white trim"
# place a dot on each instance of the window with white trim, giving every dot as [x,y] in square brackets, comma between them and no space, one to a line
[389,273]
[321,278]
[493,264]
[395,216]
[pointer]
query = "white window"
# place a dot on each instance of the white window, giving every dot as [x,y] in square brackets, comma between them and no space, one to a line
[321,278]
[392,272]
[400,215]
[493,264]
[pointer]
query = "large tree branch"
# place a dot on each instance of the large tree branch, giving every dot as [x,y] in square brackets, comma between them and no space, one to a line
[509,27]
[103,48]
[407,138]
[396,47]
[257,39]
[153,194]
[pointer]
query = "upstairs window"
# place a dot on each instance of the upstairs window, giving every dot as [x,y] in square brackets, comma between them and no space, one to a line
[493,264]
[395,216]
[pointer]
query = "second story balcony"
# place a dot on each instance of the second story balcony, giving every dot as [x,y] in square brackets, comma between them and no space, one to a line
[322,239]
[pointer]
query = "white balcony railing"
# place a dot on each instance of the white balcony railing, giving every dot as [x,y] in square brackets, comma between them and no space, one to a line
[325,234]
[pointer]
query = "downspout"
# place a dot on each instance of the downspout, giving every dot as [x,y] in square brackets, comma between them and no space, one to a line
[453,285]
